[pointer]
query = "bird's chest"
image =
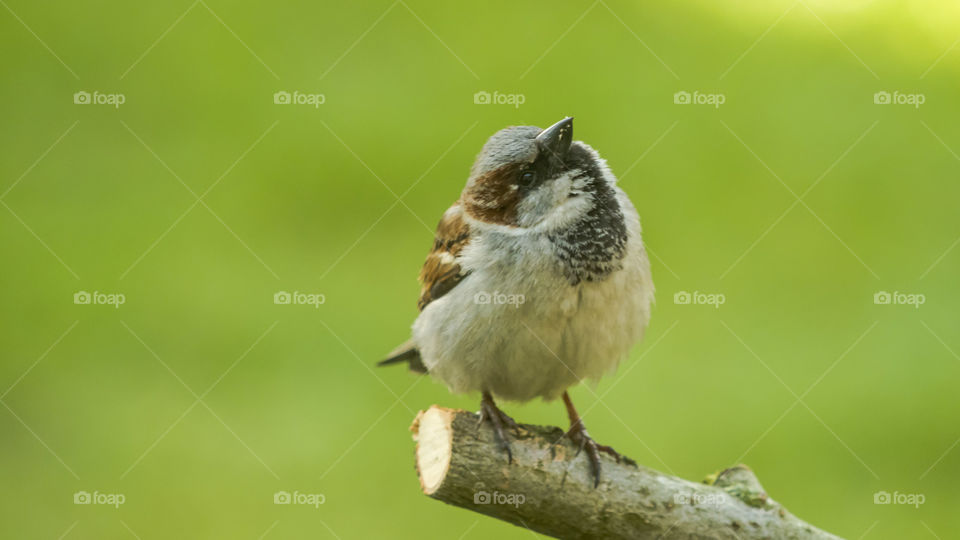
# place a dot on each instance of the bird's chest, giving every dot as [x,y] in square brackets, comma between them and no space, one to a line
[551,278]
[542,330]
[589,249]
[519,326]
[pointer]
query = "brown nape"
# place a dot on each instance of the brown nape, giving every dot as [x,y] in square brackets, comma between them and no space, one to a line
[493,197]
[440,272]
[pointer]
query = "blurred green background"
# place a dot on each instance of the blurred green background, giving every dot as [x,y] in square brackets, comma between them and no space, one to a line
[798,199]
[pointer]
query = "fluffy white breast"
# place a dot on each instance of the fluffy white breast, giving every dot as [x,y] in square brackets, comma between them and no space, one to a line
[516,327]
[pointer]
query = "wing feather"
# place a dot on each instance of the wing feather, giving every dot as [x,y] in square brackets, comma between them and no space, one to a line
[441,272]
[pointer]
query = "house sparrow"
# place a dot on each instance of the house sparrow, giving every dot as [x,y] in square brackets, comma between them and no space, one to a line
[537,279]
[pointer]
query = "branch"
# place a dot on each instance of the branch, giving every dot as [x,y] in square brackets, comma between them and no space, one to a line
[548,488]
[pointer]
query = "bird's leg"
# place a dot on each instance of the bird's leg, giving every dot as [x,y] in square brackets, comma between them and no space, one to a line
[498,419]
[578,434]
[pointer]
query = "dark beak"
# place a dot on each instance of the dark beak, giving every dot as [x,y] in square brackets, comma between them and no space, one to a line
[556,139]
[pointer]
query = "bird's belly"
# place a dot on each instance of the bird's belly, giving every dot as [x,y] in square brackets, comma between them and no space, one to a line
[524,337]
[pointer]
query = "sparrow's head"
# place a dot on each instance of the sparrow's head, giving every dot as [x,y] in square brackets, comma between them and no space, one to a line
[527,177]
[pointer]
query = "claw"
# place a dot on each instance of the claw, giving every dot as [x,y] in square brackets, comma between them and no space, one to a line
[498,419]
[578,434]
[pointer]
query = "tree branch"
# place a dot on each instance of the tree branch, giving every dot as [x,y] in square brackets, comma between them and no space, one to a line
[548,488]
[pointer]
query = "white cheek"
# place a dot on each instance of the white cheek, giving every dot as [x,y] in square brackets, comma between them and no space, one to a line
[566,214]
[551,206]
[535,206]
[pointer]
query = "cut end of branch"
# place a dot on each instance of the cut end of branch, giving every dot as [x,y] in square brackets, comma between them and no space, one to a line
[433,431]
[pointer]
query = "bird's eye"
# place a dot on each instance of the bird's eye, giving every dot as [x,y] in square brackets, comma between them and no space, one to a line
[527,178]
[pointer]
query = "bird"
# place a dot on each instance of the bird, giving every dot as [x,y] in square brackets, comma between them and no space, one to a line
[538,279]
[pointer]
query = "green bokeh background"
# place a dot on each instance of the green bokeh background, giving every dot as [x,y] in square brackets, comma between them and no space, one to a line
[99,198]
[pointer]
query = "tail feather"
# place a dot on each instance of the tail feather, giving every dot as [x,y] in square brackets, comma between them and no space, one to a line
[408,353]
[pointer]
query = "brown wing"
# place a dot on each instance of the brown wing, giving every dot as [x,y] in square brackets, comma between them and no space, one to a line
[440,271]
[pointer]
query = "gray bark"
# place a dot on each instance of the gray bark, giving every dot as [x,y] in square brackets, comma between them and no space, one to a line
[549,488]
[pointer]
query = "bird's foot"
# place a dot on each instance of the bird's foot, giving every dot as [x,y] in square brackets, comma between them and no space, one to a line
[498,421]
[578,434]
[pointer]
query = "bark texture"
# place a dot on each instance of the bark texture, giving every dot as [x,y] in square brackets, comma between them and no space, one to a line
[549,489]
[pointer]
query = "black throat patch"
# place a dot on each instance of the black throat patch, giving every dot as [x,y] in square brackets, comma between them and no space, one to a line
[594,247]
